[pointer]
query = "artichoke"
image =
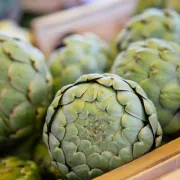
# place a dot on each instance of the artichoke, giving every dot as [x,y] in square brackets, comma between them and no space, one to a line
[25,91]
[145,4]
[80,55]
[42,158]
[13,168]
[10,28]
[99,123]
[153,23]
[173,4]
[155,65]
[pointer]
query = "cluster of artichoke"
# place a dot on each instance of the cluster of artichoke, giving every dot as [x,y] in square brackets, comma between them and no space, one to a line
[150,55]
[83,112]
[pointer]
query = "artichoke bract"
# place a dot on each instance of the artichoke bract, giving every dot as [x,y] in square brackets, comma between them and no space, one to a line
[25,90]
[153,23]
[81,54]
[155,65]
[13,168]
[10,28]
[98,124]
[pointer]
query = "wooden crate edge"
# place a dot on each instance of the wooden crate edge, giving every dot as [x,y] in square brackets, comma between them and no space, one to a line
[145,162]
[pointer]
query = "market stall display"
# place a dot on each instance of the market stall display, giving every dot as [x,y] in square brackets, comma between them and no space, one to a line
[89,89]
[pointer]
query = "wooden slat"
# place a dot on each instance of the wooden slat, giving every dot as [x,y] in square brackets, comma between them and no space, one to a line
[103,17]
[145,162]
[160,169]
[42,6]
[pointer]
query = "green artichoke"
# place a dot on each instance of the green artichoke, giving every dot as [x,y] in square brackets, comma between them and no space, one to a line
[42,158]
[146,4]
[99,123]
[155,65]
[153,23]
[80,55]
[13,168]
[173,4]
[25,91]
[10,28]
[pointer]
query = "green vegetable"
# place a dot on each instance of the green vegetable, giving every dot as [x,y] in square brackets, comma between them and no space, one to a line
[13,168]
[153,23]
[155,65]
[25,91]
[98,124]
[80,55]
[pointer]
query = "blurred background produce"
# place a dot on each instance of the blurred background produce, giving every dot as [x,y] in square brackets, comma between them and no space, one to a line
[154,64]
[152,23]
[70,61]
[81,37]
[25,91]
[13,168]
[12,29]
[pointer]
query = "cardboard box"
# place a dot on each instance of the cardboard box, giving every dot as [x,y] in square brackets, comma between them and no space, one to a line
[103,17]
[153,165]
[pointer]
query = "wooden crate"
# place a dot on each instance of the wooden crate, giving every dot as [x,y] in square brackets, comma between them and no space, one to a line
[153,165]
[103,17]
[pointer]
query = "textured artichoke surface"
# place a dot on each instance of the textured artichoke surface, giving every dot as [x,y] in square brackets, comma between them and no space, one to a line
[155,65]
[99,123]
[25,90]
[173,4]
[42,158]
[13,168]
[145,4]
[81,54]
[10,28]
[153,23]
